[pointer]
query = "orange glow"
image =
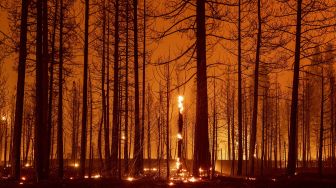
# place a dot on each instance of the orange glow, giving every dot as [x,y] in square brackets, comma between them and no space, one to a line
[180,103]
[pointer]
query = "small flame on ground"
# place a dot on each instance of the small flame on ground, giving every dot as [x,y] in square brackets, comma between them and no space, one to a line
[178,163]
[96,176]
[130,178]
[250,178]
[170,183]
[192,179]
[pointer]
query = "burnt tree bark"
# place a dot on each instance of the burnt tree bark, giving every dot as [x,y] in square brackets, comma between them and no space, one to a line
[115,129]
[201,147]
[255,95]
[60,98]
[41,127]
[240,115]
[20,92]
[85,78]
[137,132]
[126,91]
[292,145]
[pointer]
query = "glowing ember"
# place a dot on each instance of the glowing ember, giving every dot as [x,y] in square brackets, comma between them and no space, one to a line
[251,179]
[154,169]
[86,177]
[170,183]
[192,179]
[130,179]
[23,178]
[179,136]
[180,103]
[3,118]
[21,183]
[96,176]
[71,178]
[27,165]
[76,165]
[200,170]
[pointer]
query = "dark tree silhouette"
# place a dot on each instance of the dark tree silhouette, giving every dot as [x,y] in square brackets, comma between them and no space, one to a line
[41,127]
[85,78]
[115,129]
[255,94]
[201,147]
[60,98]
[292,145]
[20,91]
[137,134]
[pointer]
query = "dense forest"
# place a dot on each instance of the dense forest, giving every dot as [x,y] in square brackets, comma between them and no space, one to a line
[174,91]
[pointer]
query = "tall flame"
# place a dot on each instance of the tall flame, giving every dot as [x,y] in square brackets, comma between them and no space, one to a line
[180,103]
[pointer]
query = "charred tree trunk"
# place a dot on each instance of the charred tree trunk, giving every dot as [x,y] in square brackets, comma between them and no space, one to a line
[292,145]
[143,85]
[137,134]
[240,115]
[51,81]
[201,147]
[148,128]
[233,134]
[104,107]
[320,156]
[20,92]
[41,127]
[332,118]
[85,78]
[91,152]
[115,131]
[126,93]
[167,122]
[255,96]
[60,99]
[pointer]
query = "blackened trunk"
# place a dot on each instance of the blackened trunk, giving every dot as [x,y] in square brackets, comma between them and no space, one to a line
[201,147]
[320,156]
[41,127]
[143,84]
[255,96]
[240,115]
[137,133]
[292,145]
[51,81]
[20,92]
[103,95]
[85,76]
[167,123]
[115,129]
[60,99]
[126,92]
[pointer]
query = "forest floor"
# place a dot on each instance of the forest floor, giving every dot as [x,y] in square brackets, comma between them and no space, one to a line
[301,180]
